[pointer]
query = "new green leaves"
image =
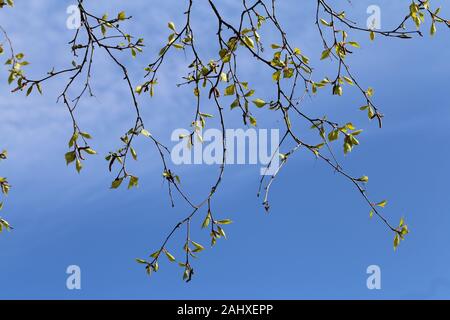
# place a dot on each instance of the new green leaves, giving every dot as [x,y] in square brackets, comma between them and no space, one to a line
[349,132]
[16,74]
[121,16]
[127,151]
[4,185]
[4,190]
[401,231]
[80,149]
[112,24]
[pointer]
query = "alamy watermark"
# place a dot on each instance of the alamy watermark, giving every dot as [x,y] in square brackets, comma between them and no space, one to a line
[251,146]
[73,281]
[374,280]
[74,19]
[374,20]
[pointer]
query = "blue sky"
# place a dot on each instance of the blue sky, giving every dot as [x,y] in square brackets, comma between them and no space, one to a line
[317,240]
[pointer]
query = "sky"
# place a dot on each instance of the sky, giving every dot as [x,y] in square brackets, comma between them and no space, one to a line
[316,242]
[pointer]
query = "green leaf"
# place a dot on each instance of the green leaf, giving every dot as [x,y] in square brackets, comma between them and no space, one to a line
[249,42]
[325,54]
[230,90]
[433,29]
[155,254]
[250,93]
[225,221]
[116,183]
[169,256]
[198,246]
[145,133]
[347,148]
[133,182]
[206,115]
[337,90]
[171,26]
[276,76]
[259,103]
[348,80]
[396,241]
[90,151]
[133,153]
[85,135]
[121,16]
[223,77]
[221,232]
[78,165]
[333,135]
[206,221]
[382,204]
[70,157]
[364,179]
[30,89]
[141,261]
[325,23]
